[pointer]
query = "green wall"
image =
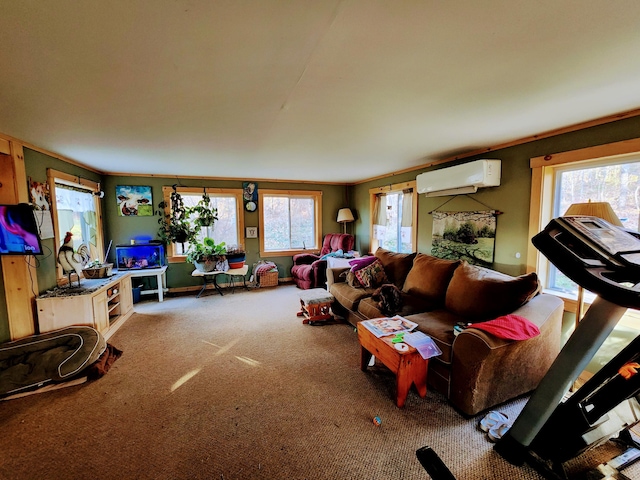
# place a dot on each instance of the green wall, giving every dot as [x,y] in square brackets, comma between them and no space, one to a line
[122,229]
[512,197]
[36,165]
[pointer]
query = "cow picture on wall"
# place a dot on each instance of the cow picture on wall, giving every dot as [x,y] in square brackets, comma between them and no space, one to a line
[134,200]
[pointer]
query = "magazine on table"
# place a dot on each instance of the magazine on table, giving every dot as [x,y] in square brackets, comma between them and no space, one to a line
[423,343]
[389,326]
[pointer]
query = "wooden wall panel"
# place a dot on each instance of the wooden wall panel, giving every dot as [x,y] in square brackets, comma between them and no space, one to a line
[20,280]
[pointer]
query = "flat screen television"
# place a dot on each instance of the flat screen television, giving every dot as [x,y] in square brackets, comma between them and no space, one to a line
[18,230]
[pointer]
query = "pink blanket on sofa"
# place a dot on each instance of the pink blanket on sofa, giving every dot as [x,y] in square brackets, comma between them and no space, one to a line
[510,327]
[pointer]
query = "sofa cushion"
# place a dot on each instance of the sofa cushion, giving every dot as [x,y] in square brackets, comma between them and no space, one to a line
[438,324]
[429,277]
[396,265]
[372,276]
[349,297]
[477,293]
[410,304]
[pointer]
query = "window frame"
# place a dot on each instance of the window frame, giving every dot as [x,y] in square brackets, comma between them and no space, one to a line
[56,176]
[317,199]
[395,188]
[543,190]
[172,256]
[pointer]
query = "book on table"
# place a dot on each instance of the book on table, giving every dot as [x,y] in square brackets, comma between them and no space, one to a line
[381,327]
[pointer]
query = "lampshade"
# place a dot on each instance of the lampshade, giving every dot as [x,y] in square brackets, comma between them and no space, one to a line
[345,215]
[591,209]
[595,209]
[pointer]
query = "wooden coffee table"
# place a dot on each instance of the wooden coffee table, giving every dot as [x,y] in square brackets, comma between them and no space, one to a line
[409,367]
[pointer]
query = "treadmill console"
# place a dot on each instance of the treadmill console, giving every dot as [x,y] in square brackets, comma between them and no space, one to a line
[598,256]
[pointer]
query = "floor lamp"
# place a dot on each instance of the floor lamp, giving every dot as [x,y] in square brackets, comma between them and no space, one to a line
[591,209]
[345,216]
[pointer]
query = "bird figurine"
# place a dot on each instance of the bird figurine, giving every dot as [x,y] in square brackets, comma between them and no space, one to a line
[71,261]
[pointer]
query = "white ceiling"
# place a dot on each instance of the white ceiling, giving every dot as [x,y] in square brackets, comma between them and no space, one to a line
[324,90]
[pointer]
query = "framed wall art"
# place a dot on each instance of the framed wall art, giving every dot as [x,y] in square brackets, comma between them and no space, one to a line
[134,201]
[466,236]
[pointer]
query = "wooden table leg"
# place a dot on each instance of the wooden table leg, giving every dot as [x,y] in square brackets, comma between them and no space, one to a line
[412,370]
[420,378]
[365,358]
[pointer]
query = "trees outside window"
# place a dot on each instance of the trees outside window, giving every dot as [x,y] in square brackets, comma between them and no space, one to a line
[394,217]
[613,182]
[76,209]
[290,221]
[228,228]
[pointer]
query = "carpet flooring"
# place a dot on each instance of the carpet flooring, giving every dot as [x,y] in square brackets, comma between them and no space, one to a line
[236,387]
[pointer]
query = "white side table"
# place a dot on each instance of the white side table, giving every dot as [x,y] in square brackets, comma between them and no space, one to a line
[160,273]
[213,276]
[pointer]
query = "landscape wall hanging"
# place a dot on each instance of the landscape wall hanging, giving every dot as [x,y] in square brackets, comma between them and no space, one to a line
[134,201]
[466,236]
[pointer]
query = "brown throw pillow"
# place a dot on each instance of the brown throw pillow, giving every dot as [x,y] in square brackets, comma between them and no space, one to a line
[429,277]
[480,294]
[396,265]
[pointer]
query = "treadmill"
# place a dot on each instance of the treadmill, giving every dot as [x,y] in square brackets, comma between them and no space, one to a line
[551,428]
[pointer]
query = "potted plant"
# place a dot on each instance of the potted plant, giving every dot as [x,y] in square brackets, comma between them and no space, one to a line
[206,256]
[206,215]
[236,256]
[174,224]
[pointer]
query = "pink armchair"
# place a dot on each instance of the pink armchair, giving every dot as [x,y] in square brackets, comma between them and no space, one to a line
[308,271]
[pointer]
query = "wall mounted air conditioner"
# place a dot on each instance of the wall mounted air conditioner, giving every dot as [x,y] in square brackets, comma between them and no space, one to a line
[460,179]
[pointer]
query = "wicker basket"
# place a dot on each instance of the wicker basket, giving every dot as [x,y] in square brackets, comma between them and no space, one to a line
[103,271]
[268,279]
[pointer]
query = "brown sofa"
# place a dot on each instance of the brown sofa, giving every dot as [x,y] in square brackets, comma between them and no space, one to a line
[476,370]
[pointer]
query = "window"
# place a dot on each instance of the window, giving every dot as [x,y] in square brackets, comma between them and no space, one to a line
[228,228]
[76,209]
[394,217]
[614,182]
[290,221]
[608,173]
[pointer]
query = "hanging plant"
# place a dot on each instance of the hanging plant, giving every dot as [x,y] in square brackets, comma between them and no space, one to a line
[174,224]
[206,215]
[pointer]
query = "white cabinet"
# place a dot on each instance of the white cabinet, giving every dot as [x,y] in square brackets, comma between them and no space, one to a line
[104,305]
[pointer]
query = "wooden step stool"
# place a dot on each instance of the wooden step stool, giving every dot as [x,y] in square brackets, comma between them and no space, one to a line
[315,306]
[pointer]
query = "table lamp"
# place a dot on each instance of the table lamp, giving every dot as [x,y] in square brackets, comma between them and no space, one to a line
[591,209]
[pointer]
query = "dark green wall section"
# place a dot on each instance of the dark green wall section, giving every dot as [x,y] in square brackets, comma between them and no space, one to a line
[36,165]
[121,229]
[4,319]
[512,197]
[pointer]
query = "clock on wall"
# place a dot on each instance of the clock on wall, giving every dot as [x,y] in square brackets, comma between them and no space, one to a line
[250,196]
